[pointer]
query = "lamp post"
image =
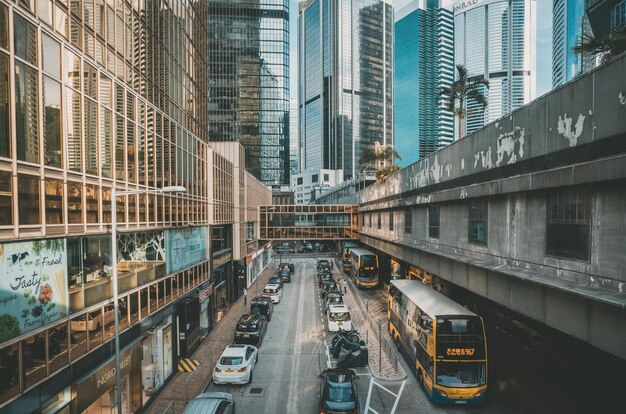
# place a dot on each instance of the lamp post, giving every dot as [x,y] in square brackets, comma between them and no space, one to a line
[114,194]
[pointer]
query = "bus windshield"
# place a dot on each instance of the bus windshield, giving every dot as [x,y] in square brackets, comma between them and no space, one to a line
[459,325]
[368,262]
[460,374]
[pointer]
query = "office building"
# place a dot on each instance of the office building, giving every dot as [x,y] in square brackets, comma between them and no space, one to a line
[248,75]
[495,40]
[345,82]
[424,64]
[568,25]
[605,16]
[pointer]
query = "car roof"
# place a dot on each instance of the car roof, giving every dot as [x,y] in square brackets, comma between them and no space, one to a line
[272,285]
[338,308]
[234,350]
[248,318]
[323,261]
[207,402]
[263,299]
[333,294]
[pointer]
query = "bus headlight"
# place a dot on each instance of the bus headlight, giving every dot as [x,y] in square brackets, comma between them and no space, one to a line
[441,392]
[480,393]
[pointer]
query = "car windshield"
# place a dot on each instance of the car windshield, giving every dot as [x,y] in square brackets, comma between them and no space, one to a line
[341,316]
[231,360]
[269,290]
[460,374]
[247,328]
[334,299]
[256,310]
[275,280]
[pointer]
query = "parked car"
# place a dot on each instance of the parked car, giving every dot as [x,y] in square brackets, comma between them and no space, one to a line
[236,364]
[347,265]
[333,298]
[251,329]
[325,279]
[289,266]
[276,280]
[285,275]
[262,305]
[94,320]
[329,286]
[338,317]
[275,292]
[338,391]
[211,403]
[323,264]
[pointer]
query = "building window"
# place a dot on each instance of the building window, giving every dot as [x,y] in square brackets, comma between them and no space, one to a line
[300,181]
[569,224]
[369,216]
[618,17]
[5,136]
[326,178]
[391,213]
[379,220]
[6,205]
[408,221]
[54,201]
[478,215]
[28,196]
[433,222]
[314,178]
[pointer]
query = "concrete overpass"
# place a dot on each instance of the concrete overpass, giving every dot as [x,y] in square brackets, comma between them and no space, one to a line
[528,212]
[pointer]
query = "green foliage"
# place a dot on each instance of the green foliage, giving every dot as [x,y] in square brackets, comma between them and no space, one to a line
[613,44]
[9,327]
[385,172]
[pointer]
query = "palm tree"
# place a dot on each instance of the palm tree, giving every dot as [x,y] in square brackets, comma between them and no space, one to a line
[460,92]
[607,47]
[379,156]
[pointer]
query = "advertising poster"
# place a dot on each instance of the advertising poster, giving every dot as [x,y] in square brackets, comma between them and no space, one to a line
[397,269]
[33,285]
[184,248]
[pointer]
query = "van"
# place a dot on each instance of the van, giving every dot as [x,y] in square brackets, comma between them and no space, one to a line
[338,317]
[273,292]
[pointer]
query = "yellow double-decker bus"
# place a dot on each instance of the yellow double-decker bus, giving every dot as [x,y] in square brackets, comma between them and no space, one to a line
[446,341]
[364,268]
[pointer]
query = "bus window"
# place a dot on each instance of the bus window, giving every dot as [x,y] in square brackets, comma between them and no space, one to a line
[468,326]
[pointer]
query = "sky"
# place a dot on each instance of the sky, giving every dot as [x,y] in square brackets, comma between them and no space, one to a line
[544,46]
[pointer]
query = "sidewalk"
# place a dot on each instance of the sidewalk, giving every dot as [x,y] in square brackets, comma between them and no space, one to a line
[185,386]
[389,368]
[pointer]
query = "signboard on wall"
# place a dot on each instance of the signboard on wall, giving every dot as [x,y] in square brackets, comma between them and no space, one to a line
[33,285]
[184,248]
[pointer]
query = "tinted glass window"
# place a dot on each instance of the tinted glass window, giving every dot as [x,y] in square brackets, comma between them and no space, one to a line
[231,360]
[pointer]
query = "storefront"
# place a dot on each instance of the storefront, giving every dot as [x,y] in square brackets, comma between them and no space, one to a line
[96,393]
[206,310]
[257,262]
[188,325]
[157,362]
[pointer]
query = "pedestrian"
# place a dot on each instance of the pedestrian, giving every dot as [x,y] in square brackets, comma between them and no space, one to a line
[345,287]
[331,264]
[245,296]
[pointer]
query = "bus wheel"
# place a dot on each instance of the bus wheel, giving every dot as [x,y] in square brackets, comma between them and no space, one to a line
[420,378]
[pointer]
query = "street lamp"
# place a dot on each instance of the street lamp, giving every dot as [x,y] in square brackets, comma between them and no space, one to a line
[114,194]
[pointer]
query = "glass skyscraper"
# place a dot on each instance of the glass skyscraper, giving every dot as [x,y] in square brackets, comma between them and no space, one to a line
[249,82]
[424,63]
[345,82]
[568,24]
[495,40]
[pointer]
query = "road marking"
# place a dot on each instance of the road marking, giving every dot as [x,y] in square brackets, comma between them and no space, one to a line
[369,396]
[292,400]
[395,404]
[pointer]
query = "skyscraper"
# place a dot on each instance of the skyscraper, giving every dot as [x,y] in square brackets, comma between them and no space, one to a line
[249,82]
[345,82]
[424,63]
[568,22]
[495,40]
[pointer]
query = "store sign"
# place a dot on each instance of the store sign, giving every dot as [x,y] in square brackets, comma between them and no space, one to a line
[105,378]
[204,294]
[33,286]
[461,6]
[184,248]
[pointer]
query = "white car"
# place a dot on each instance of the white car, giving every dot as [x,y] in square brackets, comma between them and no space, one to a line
[338,317]
[235,365]
[274,292]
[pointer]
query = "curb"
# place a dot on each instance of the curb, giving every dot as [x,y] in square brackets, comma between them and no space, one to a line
[359,301]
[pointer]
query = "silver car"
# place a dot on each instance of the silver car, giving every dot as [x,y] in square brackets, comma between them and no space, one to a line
[211,403]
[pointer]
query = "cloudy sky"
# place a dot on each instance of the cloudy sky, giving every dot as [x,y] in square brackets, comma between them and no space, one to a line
[544,45]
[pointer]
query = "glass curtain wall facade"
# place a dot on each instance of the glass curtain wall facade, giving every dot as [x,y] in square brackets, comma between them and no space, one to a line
[345,82]
[495,40]
[424,63]
[568,25]
[94,95]
[249,82]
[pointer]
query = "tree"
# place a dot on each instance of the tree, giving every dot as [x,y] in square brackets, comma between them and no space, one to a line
[459,92]
[378,156]
[613,44]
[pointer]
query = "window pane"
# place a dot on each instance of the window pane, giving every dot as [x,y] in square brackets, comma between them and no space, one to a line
[25,39]
[91,137]
[5,140]
[72,68]
[78,336]
[120,149]
[106,143]
[74,203]
[106,205]
[131,151]
[569,224]
[58,350]
[478,221]
[93,209]
[34,358]
[6,207]
[73,121]
[9,372]
[4,27]
[52,119]
[45,10]
[61,22]
[54,201]
[51,56]
[28,199]
[26,119]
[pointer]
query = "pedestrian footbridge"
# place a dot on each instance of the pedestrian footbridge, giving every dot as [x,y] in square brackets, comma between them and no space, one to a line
[309,222]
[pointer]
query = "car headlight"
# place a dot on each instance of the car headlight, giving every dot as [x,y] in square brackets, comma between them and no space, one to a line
[480,393]
[441,392]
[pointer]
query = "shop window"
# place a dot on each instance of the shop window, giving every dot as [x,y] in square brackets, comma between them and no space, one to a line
[26,112]
[74,203]
[144,303]
[433,221]
[58,403]
[92,198]
[6,205]
[5,136]
[78,336]
[133,307]
[478,215]
[54,201]
[9,372]
[58,348]
[95,327]
[34,359]
[569,224]
[28,196]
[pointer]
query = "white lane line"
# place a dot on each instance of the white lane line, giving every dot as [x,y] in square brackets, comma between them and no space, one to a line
[292,400]
[386,389]
[369,396]
[395,404]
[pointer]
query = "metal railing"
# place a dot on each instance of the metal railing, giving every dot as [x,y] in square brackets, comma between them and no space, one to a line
[384,346]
